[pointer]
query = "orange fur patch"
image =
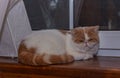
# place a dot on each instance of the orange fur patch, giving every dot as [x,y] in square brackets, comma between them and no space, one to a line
[59,59]
[93,34]
[26,58]
[26,55]
[78,35]
[39,60]
[30,57]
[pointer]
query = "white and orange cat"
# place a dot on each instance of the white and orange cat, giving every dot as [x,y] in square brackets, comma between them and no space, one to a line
[54,46]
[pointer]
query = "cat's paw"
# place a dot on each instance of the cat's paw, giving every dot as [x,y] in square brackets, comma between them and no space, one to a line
[79,56]
[88,56]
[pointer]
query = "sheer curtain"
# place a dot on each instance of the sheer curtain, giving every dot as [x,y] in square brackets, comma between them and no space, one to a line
[77,9]
[14,26]
[3,8]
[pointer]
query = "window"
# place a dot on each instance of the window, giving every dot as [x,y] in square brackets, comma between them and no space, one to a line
[45,14]
[106,14]
[67,14]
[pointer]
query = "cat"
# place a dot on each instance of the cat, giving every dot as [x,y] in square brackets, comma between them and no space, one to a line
[53,46]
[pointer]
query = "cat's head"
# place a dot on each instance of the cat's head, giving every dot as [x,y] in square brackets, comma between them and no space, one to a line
[86,38]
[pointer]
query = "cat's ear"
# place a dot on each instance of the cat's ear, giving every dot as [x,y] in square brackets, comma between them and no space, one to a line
[75,30]
[95,28]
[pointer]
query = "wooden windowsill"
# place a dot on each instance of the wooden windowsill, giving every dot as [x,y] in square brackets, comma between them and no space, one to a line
[99,67]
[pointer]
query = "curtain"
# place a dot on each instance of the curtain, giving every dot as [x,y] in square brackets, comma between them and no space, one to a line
[77,8]
[3,8]
[14,26]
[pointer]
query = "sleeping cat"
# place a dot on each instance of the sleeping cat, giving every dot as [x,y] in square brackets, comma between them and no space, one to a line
[54,46]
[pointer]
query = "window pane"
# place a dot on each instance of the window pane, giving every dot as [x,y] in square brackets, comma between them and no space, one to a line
[105,13]
[45,14]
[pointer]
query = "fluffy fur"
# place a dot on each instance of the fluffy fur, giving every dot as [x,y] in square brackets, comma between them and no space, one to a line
[56,47]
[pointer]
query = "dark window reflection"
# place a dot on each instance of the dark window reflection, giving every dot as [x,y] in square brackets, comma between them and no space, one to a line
[105,13]
[48,13]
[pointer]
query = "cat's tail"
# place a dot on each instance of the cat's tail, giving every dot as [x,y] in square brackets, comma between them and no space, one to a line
[30,57]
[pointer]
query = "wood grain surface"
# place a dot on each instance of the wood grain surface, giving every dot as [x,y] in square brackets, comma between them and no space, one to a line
[99,67]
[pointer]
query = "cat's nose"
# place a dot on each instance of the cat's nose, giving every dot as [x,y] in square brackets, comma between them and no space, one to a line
[86,43]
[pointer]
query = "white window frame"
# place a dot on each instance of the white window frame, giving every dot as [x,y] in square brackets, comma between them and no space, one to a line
[109,40]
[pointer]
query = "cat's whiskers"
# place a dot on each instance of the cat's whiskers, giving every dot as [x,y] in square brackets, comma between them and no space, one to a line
[91,47]
[86,44]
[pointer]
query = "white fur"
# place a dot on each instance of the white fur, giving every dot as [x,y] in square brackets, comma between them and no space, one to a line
[72,49]
[53,42]
[46,59]
[33,60]
[47,41]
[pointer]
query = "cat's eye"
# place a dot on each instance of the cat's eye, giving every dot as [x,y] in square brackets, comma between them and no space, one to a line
[81,40]
[90,40]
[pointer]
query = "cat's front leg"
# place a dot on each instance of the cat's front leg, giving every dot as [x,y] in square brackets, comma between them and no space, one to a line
[87,56]
[78,56]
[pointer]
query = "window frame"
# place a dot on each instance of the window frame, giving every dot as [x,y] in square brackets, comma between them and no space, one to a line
[109,40]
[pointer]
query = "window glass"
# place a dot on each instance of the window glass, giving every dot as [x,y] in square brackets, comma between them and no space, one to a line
[105,13]
[55,13]
[45,14]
